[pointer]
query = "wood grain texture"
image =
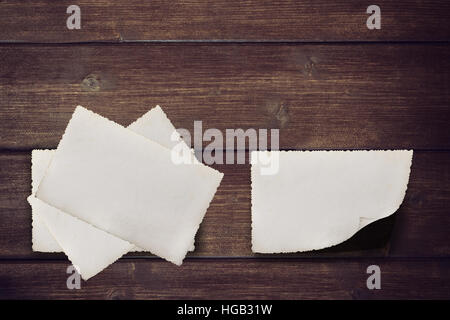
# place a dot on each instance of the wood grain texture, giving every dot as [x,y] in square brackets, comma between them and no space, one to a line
[287,20]
[420,225]
[338,85]
[320,96]
[233,279]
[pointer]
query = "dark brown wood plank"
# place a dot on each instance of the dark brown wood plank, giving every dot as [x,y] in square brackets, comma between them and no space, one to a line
[232,279]
[320,96]
[306,20]
[230,209]
[423,222]
[225,231]
[420,225]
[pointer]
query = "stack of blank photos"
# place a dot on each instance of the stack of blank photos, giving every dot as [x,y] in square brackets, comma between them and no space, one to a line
[107,190]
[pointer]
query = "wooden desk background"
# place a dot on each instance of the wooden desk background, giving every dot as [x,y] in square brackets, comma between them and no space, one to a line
[310,68]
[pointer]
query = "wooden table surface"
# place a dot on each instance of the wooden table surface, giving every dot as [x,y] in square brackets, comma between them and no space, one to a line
[310,68]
